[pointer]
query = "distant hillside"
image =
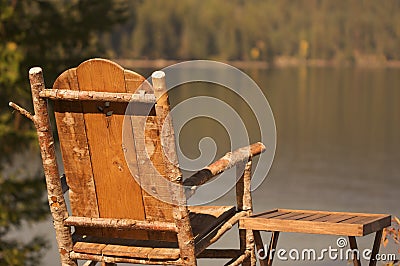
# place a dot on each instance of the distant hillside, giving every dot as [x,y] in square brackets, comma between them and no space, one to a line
[343,30]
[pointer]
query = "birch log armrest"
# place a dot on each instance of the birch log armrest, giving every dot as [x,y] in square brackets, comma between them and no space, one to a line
[227,161]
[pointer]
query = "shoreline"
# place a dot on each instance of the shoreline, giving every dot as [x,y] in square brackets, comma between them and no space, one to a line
[279,62]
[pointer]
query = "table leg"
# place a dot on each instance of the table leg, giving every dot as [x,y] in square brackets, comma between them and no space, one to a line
[356,255]
[375,248]
[272,247]
[259,245]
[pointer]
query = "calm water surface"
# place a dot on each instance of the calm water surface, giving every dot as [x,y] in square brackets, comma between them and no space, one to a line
[338,146]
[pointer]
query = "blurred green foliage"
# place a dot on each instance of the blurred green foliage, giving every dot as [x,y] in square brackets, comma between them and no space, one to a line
[56,35]
[260,30]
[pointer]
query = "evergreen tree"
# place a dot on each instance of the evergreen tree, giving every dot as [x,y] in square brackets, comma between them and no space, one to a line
[55,35]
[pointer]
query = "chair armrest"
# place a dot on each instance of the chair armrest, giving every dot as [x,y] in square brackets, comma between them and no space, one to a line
[227,161]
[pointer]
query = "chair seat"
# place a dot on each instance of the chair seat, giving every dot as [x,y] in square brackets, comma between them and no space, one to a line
[316,222]
[204,220]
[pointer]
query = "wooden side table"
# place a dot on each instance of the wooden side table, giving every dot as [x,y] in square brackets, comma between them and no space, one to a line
[318,222]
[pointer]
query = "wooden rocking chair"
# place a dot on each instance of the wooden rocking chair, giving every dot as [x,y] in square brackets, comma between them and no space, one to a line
[121,210]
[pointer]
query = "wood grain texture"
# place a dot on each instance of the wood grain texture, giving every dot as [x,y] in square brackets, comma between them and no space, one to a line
[75,150]
[87,247]
[118,194]
[138,249]
[141,252]
[317,222]
[151,170]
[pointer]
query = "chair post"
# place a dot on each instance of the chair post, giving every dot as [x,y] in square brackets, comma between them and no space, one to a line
[244,203]
[180,211]
[57,204]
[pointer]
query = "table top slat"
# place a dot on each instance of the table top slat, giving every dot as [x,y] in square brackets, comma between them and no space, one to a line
[317,222]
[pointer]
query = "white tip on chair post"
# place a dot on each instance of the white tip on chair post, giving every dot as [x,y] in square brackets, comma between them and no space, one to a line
[158,74]
[159,83]
[35,70]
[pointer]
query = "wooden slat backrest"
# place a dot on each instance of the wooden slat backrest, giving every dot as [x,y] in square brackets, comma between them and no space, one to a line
[91,140]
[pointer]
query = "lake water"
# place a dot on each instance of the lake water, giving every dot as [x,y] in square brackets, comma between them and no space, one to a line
[338,147]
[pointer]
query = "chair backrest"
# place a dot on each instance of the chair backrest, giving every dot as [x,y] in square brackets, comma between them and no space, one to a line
[103,172]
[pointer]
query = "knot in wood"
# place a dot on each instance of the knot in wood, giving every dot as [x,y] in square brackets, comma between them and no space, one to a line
[55,204]
[63,251]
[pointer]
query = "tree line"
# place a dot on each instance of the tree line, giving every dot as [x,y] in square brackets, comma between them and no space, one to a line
[344,30]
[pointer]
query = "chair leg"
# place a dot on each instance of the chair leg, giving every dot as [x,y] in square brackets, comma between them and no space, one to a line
[250,245]
[243,238]
[353,246]
[272,247]
[375,248]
